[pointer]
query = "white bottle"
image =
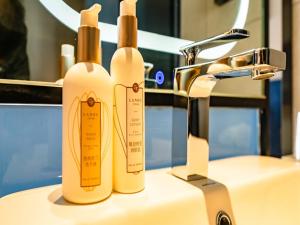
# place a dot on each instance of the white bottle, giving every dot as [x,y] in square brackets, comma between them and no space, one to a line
[87,119]
[67,60]
[127,71]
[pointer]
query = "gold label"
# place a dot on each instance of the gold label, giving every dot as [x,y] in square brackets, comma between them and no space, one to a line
[90,143]
[134,128]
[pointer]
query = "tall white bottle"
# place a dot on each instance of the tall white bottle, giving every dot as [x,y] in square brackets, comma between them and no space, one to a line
[127,71]
[87,119]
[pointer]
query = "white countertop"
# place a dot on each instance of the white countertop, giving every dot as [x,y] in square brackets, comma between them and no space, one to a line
[165,200]
[163,196]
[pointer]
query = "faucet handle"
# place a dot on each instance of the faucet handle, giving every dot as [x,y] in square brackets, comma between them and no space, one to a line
[192,50]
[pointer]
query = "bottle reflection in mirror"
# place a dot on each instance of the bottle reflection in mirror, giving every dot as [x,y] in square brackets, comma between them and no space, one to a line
[67,59]
[13,39]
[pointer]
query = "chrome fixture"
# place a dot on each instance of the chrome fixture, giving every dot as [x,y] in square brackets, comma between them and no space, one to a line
[149,82]
[148,67]
[191,51]
[223,219]
[193,85]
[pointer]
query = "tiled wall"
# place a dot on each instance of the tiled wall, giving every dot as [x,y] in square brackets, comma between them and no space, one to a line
[30,147]
[30,141]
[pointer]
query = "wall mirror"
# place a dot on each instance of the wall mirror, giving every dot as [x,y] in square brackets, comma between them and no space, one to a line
[32,33]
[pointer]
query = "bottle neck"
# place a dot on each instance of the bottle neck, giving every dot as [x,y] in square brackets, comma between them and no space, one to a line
[88,45]
[127,31]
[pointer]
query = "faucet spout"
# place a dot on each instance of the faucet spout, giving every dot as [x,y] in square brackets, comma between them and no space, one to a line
[193,85]
[260,63]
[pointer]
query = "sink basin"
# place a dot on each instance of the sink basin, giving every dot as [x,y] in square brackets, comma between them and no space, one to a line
[263,191]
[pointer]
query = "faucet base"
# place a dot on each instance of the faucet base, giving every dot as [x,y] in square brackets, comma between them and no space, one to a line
[184,173]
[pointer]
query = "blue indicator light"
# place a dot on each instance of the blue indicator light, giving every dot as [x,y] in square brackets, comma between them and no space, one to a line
[159,77]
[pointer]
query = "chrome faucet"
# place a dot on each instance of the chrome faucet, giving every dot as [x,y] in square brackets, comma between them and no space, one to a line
[193,85]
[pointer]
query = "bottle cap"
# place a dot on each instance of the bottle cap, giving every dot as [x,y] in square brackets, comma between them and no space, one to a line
[89,17]
[88,46]
[67,59]
[67,50]
[128,8]
[127,24]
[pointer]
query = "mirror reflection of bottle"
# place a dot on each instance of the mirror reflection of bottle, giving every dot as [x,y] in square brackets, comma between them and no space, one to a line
[67,59]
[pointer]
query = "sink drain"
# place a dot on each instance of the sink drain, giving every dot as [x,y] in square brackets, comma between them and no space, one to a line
[223,219]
